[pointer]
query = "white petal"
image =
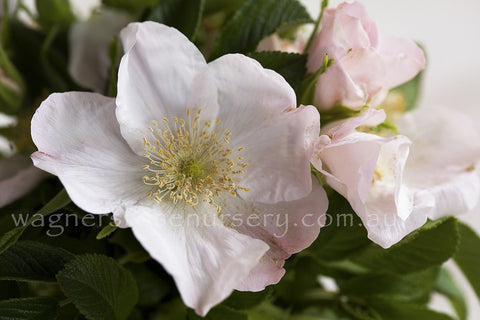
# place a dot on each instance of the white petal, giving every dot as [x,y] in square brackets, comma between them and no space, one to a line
[79,140]
[18,176]
[258,107]
[444,141]
[89,61]
[287,227]
[456,195]
[154,79]
[206,260]
[380,216]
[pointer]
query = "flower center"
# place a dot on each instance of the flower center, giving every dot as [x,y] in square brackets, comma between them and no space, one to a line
[190,161]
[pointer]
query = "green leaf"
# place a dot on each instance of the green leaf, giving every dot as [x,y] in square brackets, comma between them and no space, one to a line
[289,65]
[400,310]
[467,257]
[32,261]
[184,15]
[99,287]
[152,288]
[446,285]
[414,287]
[54,13]
[343,235]
[255,20]
[241,300]
[426,247]
[57,203]
[106,231]
[40,308]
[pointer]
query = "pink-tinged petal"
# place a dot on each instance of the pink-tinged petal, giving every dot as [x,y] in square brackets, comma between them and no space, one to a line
[340,129]
[276,137]
[380,216]
[344,28]
[403,60]
[206,259]
[335,86]
[358,10]
[18,177]
[155,78]
[79,140]
[366,69]
[89,61]
[287,227]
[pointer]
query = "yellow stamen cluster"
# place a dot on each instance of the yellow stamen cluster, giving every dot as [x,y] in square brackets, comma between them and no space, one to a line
[190,162]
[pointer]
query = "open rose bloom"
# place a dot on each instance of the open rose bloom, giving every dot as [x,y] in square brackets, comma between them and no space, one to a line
[366,64]
[395,183]
[209,164]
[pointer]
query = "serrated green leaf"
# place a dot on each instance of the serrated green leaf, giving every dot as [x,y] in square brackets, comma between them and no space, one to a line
[289,65]
[446,286]
[57,203]
[467,257]
[426,247]
[40,308]
[343,235]
[255,20]
[99,287]
[414,287]
[184,15]
[400,310]
[32,261]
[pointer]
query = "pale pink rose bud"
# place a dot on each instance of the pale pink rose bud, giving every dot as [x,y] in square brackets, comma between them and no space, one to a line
[366,64]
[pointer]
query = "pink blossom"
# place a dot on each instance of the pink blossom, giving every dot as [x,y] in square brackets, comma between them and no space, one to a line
[366,64]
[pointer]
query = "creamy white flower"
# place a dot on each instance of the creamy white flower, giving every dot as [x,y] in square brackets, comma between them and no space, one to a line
[394,185]
[201,161]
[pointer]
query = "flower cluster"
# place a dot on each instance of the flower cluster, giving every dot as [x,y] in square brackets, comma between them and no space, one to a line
[216,168]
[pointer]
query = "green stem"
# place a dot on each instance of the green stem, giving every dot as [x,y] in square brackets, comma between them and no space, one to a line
[317,25]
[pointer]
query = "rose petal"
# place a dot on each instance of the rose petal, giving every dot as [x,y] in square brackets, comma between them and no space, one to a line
[79,140]
[403,60]
[276,138]
[287,227]
[206,260]
[155,76]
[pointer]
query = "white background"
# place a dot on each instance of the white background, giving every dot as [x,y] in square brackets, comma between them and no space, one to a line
[450,32]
